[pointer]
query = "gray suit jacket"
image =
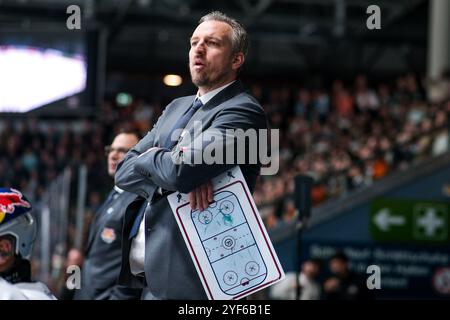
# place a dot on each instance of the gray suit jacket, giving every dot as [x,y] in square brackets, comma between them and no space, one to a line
[169,270]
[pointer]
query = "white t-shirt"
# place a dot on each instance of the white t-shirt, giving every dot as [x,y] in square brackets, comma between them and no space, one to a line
[24,291]
[137,250]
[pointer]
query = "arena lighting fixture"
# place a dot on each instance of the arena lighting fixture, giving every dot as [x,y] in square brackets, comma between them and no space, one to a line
[124,99]
[172,80]
[31,77]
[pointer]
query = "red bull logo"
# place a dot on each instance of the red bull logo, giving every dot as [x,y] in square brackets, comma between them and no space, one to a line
[10,201]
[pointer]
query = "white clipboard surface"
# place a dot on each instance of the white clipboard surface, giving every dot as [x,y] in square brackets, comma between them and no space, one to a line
[228,242]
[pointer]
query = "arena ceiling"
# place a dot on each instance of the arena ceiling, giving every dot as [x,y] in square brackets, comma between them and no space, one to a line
[287,36]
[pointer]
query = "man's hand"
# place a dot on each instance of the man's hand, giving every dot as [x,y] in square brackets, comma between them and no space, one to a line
[74,257]
[201,197]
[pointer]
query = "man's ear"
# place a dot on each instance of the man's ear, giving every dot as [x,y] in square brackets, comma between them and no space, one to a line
[238,61]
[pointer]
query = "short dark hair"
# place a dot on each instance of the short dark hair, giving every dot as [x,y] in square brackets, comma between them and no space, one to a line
[339,255]
[134,132]
[239,38]
[316,261]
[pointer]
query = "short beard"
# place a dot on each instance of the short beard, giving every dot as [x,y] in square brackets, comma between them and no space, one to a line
[205,82]
[200,81]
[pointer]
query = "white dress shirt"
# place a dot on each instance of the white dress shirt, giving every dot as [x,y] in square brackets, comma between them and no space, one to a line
[137,251]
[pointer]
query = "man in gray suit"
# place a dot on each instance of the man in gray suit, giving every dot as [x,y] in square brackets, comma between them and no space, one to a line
[101,267]
[154,253]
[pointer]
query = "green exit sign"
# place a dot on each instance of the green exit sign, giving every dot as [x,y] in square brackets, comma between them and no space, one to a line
[409,221]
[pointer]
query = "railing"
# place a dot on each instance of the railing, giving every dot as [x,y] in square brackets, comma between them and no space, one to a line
[54,219]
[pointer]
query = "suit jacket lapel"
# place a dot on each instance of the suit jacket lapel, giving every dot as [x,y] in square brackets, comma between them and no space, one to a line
[224,95]
[178,111]
[182,107]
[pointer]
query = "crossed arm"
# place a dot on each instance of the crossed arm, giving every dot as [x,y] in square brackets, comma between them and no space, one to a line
[147,167]
[201,196]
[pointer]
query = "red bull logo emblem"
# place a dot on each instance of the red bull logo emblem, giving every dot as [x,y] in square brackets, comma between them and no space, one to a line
[108,235]
[10,200]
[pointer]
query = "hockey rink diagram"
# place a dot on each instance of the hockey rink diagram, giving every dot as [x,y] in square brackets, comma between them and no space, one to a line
[229,244]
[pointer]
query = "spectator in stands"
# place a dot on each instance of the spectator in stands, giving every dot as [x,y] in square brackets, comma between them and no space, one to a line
[74,258]
[344,283]
[302,105]
[310,287]
[366,99]
[345,151]
[342,100]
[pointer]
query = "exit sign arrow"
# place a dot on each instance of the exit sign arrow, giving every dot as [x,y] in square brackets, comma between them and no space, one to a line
[383,219]
[405,220]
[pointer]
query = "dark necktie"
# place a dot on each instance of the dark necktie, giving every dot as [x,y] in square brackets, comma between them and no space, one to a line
[137,221]
[181,123]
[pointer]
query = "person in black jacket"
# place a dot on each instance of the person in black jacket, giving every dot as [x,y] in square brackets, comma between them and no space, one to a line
[344,284]
[103,255]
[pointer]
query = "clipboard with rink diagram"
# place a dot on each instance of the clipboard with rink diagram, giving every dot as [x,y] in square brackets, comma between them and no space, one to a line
[228,242]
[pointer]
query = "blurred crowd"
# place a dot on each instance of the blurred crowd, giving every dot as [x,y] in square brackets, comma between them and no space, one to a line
[315,281]
[349,136]
[345,135]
